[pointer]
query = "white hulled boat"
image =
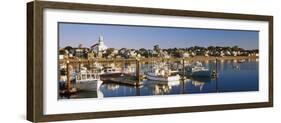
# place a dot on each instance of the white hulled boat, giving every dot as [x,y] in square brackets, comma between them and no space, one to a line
[198,70]
[161,73]
[88,81]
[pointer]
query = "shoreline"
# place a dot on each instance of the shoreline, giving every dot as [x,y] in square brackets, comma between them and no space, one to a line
[223,58]
[195,58]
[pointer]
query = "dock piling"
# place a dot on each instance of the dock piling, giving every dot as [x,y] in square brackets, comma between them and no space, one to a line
[68,77]
[183,68]
[138,65]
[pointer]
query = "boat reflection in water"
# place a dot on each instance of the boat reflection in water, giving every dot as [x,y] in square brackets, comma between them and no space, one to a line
[112,87]
[160,87]
[233,76]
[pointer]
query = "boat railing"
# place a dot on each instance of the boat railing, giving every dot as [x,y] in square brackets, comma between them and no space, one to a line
[87,76]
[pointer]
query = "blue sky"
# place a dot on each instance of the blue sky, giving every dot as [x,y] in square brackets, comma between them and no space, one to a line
[122,36]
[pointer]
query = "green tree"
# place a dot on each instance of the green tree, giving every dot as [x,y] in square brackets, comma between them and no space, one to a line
[143,52]
[235,48]
[108,52]
[178,53]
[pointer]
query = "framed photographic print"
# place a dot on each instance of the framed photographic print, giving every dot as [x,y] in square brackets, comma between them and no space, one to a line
[90,61]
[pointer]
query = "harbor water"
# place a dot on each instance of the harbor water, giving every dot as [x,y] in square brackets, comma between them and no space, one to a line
[232,76]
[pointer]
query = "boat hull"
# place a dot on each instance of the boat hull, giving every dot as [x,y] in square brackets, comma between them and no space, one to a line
[111,73]
[200,74]
[85,85]
[164,79]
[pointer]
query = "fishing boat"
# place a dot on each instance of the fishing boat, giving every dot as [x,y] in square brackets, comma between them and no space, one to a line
[111,69]
[198,70]
[161,74]
[88,80]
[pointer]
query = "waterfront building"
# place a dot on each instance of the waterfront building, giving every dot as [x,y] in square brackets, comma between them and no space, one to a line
[186,55]
[206,54]
[222,53]
[193,54]
[227,53]
[163,54]
[70,52]
[91,55]
[234,53]
[81,52]
[132,54]
[253,54]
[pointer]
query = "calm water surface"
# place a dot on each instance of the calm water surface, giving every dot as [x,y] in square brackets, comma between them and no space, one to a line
[232,77]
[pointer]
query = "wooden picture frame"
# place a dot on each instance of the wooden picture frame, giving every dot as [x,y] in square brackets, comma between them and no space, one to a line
[35,45]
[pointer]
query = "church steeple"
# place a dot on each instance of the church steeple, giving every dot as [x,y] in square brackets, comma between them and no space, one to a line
[100,39]
[99,47]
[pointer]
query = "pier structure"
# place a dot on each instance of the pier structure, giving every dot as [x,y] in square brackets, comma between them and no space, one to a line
[76,63]
[131,60]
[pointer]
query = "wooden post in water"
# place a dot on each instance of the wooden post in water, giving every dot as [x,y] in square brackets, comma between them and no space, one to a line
[138,65]
[183,69]
[217,74]
[68,77]
[114,62]
[79,66]
[89,64]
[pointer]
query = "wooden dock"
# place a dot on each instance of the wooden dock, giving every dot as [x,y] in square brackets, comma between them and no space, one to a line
[141,60]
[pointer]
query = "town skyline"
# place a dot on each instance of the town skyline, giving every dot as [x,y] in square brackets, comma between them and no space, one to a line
[137,37]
